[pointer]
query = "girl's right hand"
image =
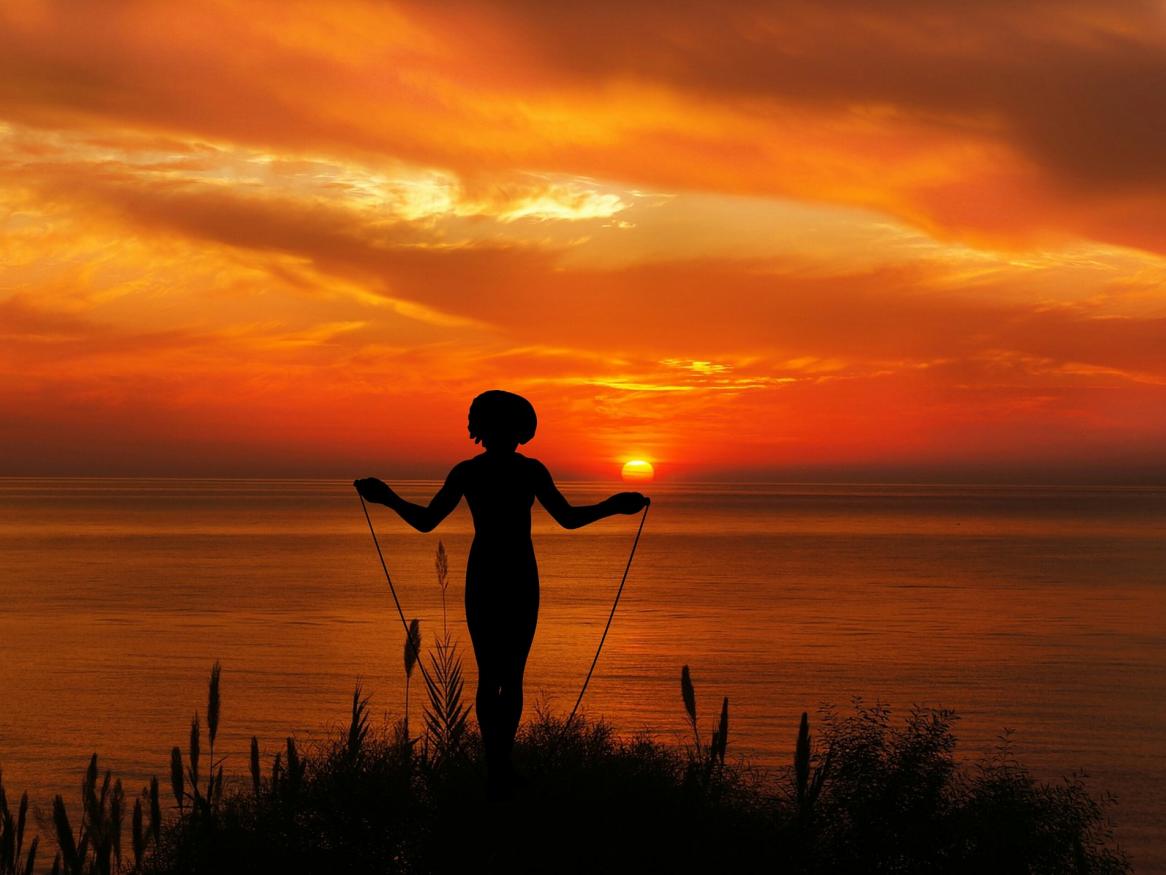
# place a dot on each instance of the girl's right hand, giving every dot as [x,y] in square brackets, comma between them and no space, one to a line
[628,502]
[372,489]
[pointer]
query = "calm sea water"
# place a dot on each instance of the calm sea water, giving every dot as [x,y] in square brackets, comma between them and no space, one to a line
[1038,609]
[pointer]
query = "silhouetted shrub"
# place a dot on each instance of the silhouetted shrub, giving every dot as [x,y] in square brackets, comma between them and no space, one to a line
[864,795]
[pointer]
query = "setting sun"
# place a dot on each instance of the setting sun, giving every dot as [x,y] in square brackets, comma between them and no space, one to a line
[639,471]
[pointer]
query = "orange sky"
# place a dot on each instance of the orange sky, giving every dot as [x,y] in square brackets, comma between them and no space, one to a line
[783,239]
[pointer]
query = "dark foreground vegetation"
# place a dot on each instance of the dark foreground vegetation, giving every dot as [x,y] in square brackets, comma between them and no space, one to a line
[865,794]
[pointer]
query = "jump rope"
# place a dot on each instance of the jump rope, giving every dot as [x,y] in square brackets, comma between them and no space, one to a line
[606,628]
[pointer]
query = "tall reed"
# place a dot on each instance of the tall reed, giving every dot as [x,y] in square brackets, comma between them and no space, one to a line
[705,762]
[358,726]
[446,714]
[212,721]
[96,847]
[141,833]
[412,652]
[441,566]
[12,837]
[256,776]
[186,787]
[806,787]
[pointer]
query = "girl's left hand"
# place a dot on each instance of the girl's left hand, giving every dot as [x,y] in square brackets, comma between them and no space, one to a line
[628,502]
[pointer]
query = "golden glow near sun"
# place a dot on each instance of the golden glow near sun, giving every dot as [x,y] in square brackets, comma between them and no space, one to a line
[638,471]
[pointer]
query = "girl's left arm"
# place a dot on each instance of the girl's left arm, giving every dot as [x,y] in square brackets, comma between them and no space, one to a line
[571,516]
[423,519]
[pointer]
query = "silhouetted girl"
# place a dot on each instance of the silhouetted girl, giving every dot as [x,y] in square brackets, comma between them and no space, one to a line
[500,486]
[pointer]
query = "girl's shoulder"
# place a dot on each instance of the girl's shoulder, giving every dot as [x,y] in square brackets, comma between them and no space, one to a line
[464,468]
[531,463]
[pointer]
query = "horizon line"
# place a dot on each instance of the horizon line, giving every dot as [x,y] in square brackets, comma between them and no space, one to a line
[207,478]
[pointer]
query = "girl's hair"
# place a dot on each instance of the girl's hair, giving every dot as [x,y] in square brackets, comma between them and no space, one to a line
[502,415]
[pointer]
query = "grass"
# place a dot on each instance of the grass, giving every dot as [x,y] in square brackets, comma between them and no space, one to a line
[862,793]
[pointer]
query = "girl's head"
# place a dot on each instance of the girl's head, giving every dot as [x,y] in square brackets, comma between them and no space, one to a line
[501,420]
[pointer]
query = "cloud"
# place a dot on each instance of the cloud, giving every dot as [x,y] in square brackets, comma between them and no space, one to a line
[758,236]
[898,310]
[988,122]
[1078,86]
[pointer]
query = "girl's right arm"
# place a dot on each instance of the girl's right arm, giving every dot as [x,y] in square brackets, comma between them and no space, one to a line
[423,519]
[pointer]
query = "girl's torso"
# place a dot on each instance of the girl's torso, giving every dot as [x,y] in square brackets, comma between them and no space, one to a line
[500,490]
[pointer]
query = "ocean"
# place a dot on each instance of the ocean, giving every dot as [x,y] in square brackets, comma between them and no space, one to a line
[1040,610]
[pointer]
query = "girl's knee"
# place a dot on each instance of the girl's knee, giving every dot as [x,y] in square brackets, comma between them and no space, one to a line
[512,686]
[489,683]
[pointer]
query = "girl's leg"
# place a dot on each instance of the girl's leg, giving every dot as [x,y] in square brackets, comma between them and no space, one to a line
[513,668]
[510,715]
[501,630]
[487,702]
[486,707]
